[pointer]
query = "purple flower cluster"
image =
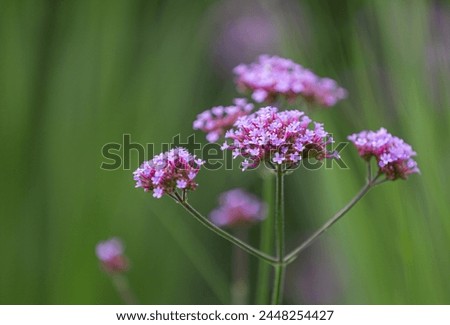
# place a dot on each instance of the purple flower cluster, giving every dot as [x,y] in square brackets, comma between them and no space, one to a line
[277,137]
[166,172]
[238,207]
[393,155]
[321,91]
[219,119]
[273,76]
[110,255]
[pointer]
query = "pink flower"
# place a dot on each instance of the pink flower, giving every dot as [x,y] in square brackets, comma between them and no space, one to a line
[237,207]
[219,119]
[278,158]
[279,137]
[324,92]
[168,171]
[393,155]
[273,76]
[110,255]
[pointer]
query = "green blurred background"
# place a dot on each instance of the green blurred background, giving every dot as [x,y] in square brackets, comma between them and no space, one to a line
[75,75]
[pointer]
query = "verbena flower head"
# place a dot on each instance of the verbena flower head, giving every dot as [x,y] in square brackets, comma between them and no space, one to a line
[273,76]
[322,91]
[110,255]
[219,119]
[167,172]
[282,138]
[238,207]
[393,155]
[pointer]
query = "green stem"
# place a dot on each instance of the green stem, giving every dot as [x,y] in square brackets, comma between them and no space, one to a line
[208,224]
[278,284]
[371,183]
[262,287]
[277,294]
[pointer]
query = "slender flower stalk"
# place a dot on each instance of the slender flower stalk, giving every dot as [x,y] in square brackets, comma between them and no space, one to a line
[122,287]
[394,160]
[198,254]
[263,285]
[240,268]
[211,226]
[372,181]
[280,140]
[114,263]
[278,285]
[239,210]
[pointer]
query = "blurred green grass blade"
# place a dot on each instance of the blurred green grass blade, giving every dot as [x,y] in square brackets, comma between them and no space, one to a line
[202,260]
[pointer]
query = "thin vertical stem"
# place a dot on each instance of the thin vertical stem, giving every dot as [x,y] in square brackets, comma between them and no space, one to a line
[278,284]
[369,172]
[262,286]
[122,287]
[239,288]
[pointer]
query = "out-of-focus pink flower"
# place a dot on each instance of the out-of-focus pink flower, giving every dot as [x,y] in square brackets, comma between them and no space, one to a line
[273,76]
[242,30]
[314,279]
[323,91]
[110,255]
[437,53]
[278,137]
[166,172]
[238,207]
[393,155]
[217,120]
